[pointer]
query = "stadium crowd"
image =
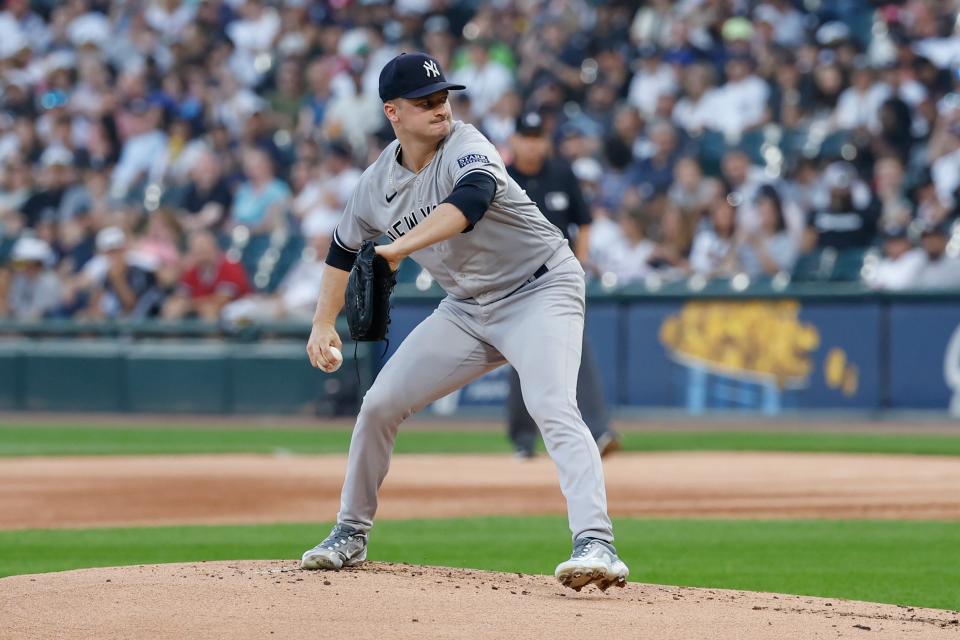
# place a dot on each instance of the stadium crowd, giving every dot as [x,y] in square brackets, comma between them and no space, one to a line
[178,158]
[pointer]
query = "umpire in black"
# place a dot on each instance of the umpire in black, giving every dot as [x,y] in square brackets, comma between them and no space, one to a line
[551,184]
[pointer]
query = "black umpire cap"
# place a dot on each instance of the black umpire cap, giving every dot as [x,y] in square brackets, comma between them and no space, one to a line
[529,124]
[413,75]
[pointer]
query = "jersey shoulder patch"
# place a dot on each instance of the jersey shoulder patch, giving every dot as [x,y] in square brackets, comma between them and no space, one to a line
[471,158]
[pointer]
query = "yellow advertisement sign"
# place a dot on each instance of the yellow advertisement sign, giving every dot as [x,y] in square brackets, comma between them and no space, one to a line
[758,341]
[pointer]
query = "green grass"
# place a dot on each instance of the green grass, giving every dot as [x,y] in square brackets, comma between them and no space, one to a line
[38,440]
[908,563]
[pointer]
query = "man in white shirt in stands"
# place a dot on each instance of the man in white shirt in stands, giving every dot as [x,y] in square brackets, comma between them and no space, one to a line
[901,264]
[941,270]
[740,103]
[487,79]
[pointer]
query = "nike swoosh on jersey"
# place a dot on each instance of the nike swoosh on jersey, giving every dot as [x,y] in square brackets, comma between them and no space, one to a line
[390,198]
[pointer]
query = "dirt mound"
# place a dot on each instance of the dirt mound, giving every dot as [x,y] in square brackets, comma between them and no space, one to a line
[155,490]
[275,599]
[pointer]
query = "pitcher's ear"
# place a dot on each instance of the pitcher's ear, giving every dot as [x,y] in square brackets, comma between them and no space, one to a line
[390,110]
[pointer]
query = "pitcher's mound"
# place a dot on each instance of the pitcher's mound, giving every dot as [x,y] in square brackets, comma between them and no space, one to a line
[275,599]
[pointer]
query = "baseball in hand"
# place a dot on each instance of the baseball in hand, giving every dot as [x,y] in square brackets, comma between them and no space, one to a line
[338,360]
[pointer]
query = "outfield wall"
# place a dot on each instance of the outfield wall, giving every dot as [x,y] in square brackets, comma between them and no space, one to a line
[764,353]
[184,368]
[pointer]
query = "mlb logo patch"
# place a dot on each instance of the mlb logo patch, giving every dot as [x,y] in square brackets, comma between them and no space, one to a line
[470,158]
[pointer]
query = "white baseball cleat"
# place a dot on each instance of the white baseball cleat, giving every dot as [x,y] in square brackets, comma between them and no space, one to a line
[593,562]
[344,547]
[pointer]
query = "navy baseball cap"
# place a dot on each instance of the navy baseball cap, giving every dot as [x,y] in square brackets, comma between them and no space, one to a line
[413,75]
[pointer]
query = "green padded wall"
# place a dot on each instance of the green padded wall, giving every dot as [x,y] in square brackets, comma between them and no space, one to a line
[60,375]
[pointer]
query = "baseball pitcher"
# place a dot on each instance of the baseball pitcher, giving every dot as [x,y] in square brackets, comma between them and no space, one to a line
[515,293]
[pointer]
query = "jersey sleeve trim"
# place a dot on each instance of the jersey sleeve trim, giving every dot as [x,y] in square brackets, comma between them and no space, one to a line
[477,170]
[339,242]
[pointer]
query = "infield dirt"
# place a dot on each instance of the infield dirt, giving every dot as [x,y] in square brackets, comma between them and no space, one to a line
[235,489]
[273,599]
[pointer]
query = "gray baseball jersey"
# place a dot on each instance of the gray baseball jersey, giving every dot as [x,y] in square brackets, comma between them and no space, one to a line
[507,245]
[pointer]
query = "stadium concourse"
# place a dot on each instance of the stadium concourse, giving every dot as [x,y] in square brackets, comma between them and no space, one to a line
[144,143]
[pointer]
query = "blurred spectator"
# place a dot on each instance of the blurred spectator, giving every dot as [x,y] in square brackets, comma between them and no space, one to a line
[498,124]
[16,186]
[691,191]
[743,180]
[41,207]
[285,99]
[788,23]
[353,115]
[651,24]
[653,174]
[928,207]
[328,187]
[770,248]
[33,291]
[901,262]
[740,103]
[827,87]
[124,283]
[713,253]
[791,93]
[110,113]
[652,79]
[207,198]
[627,128]
[159,244]
[261,200]
[842,222]
[859,105]
[627,259]
[252,34]
[144,148]
[890,186]
[550,59]
[76,246]
[939,271]
[91,195]
[616,182]
[486,80]
[670,256]
[944,155]
[35,32]
[692,111]
[169,17]
[209,282]
[896,130]
[296,295]
[318,95]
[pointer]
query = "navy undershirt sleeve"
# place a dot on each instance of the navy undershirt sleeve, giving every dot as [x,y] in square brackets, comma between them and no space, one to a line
[473,195]
[340,257]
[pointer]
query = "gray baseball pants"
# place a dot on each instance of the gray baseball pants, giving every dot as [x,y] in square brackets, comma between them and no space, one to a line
[537,329]
[522,429]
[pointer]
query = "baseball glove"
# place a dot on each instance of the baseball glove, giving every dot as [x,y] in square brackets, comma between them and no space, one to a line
[368,292]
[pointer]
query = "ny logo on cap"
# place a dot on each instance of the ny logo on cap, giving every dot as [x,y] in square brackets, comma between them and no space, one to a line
[430,66]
